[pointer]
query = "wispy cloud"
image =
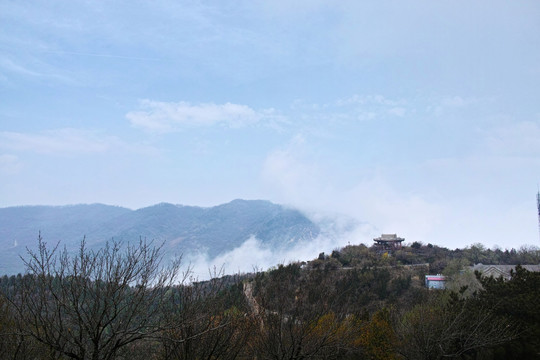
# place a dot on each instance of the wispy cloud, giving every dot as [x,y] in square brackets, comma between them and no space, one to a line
[514,139]
[355,108]
[445,104]
[10,66]
[102,55]
[369,100]
[253,254]
[286,170]
[397,111]
[66,142]
[293,176]
[368,107]
[9,164]
[164,117]
[34,68]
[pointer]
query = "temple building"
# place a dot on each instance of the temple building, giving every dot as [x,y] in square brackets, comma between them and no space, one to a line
[388,242]
[503,271]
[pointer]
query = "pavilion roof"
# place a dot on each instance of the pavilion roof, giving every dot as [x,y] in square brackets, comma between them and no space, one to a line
[389,237]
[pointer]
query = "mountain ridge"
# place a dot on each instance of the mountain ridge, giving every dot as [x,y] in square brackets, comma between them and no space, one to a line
[181,228]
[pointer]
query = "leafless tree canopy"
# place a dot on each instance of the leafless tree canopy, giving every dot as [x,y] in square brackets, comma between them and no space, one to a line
[90,306]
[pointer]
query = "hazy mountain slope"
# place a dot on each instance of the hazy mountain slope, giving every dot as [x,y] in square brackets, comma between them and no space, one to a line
[214,230]
[22,224]
[184,229]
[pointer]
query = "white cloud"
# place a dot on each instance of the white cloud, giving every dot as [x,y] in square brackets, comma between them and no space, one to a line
[163,117]
[245,258]
[514,139]
[397,111]
[283,8]
[34,69]
[10,66]
[9,164]
[368,107]
[455,101]
[294,178]
[255,255]
[67,141]
[286,170]
[444,104]
[351,109]
[377,201]
[369,100]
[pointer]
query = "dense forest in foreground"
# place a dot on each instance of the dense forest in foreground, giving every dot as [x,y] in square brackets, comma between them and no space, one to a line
[356,303]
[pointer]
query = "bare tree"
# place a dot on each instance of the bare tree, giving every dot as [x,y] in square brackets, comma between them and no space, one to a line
[94,304]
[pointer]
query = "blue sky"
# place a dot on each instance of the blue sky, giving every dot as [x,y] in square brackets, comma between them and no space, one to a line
[417,117]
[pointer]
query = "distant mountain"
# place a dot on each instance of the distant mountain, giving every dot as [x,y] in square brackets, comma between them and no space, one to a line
[183,229]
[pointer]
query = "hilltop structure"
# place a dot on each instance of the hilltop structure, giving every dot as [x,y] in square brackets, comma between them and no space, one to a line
[501,270]
[388,242]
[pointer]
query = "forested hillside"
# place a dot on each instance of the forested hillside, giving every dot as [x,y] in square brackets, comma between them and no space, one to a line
[355,303]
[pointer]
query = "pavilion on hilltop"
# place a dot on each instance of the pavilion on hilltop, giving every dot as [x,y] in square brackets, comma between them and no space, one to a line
[388,242]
